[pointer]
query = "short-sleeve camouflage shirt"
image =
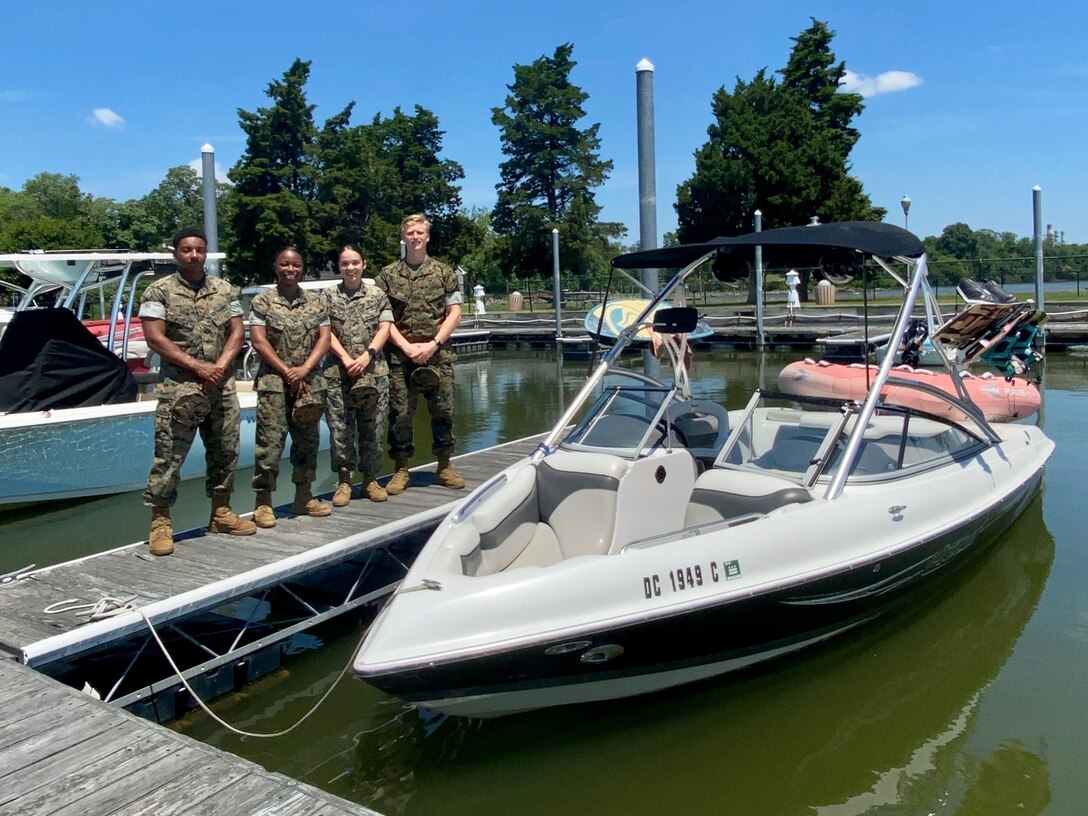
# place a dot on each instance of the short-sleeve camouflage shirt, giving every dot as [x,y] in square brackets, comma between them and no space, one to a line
[291,325]
[354,317]
[419,297]
[197,319]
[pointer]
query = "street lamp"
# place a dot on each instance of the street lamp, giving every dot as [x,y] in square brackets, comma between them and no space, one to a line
[905,201]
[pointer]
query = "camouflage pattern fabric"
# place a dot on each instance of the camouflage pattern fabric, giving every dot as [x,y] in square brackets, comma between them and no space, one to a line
[419,299]
[198,321]
[292,327]
[178,418]
[275,420]
[354,317]
[356,409]
[356,424]
[404,392]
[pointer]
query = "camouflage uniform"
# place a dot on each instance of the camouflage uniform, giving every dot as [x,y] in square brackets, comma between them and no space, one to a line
[292,330]
[419,299]
[355,419]
[198,321]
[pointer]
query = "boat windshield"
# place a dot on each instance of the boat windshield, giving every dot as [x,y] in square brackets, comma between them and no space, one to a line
[806,441]
[628,417]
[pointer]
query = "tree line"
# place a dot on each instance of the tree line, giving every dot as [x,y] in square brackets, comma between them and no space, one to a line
[779,143]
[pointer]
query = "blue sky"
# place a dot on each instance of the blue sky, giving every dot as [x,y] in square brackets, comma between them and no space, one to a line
[968,104]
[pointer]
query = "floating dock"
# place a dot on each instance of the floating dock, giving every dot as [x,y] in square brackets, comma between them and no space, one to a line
[62,752]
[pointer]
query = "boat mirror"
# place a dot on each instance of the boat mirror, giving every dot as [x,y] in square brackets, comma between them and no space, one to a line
[677,320]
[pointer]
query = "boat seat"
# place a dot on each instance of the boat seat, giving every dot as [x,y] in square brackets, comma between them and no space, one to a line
[562,507]
[722,493]
[577,499]
[702,425]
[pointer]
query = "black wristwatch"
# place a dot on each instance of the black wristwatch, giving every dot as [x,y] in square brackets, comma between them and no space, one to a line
[437,343]
[372,353]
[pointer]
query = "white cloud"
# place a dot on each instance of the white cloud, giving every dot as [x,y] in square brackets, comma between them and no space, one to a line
[107,117]
[220,173]
[887,82]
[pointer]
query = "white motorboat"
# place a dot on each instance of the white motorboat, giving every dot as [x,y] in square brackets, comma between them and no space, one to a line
[662,540]
[102,440]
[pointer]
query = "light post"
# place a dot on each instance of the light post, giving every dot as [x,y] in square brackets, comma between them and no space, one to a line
[905,201]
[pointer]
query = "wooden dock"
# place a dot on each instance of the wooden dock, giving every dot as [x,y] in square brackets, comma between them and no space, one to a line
[64,752]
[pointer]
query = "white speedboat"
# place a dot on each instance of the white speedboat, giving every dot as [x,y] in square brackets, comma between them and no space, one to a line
[661,541]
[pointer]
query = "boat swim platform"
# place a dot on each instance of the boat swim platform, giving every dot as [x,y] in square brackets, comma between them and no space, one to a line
[62,752]
[227,607]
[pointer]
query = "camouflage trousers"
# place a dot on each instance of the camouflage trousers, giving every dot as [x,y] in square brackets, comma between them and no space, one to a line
[404,391]
[355,425]
[183,411]
[274,422]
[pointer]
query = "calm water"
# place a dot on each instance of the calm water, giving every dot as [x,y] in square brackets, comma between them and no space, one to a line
[971,704]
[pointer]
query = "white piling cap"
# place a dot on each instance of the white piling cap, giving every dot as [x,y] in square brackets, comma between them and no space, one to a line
[644,65]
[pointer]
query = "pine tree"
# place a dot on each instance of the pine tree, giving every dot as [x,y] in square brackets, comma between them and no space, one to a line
[551,170]
[781,148]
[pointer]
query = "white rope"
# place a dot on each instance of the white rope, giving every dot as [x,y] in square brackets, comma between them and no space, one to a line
[220,720]
[104,607]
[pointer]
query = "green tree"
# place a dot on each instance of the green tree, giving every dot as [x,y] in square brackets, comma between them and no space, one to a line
[778,147]
[781,148]
[319,189]
[373,175]
[275,180]
[551,170]
[52,213]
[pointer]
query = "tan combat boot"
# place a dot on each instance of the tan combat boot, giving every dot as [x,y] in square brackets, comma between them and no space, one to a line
[263,514]
[306,505]
[160,541]
[447,476]
[374,491]
[401,479]
[223,520]
[343,490]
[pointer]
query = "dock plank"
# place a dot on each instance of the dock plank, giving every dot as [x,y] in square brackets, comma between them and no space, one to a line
[86,757]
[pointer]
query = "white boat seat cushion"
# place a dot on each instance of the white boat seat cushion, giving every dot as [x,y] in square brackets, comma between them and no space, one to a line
[723,493]
[577,499]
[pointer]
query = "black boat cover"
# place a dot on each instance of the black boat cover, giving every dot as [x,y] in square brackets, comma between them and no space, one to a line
[807,246]
[48,359]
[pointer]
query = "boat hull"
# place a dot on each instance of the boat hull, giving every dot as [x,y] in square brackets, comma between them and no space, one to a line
[999,400]
[674,645]
[82,452]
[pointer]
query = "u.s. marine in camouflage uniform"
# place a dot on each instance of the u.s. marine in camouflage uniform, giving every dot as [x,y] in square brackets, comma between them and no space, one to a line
[356,377]
[194,323]
[426,302]
[289,330]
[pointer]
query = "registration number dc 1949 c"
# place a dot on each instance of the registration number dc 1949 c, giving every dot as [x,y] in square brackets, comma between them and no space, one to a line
[689,577]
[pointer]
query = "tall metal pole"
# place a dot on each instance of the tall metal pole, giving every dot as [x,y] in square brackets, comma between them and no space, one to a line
[211,215]
[647,185]
[555,289]
[1037,207]
[758,227]
[905,203]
